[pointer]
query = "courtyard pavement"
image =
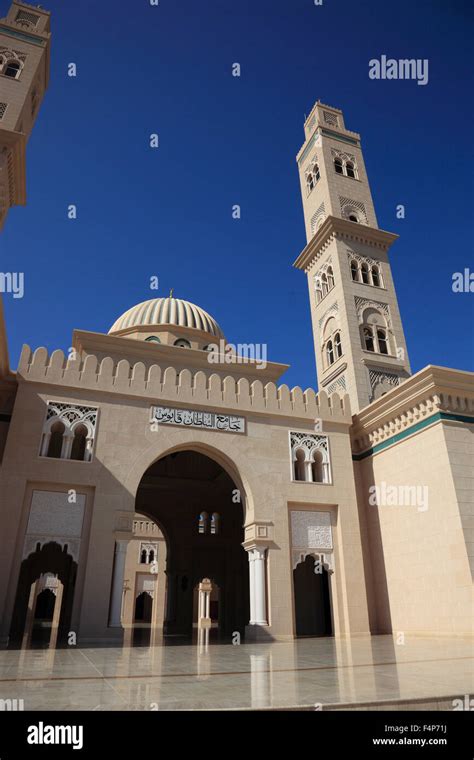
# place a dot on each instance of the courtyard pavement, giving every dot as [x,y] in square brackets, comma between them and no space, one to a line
[313,674]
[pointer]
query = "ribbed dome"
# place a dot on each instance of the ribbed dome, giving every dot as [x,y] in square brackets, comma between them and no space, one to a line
[167,311]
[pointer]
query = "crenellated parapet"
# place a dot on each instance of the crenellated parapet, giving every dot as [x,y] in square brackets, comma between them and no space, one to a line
[178,385]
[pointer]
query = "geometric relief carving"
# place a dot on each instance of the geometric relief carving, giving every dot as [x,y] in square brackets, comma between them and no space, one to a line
[332,310]
[51,514]
[311,532]
[339,384]
[377,376]
[53,518]
[364,303]
[70,413]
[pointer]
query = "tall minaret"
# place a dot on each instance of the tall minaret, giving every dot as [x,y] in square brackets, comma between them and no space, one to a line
[358,335]
[24,74]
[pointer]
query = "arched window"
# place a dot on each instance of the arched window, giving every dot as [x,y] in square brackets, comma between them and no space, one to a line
[182,343]
[56,440]
[143,557]
[353,217]
[350,171]
[338,166]
[354,270]
[324,284]
[365,273]
[12,69]
[319,290]
[337,345]
[202,524]
[151,556]
[369,339]
[382,341]
[78,450]
[317,470]
[330,275]
[152,339]
[309,182]
[316,173]
[299,465]
[376,276]
[329,352]
[215,523]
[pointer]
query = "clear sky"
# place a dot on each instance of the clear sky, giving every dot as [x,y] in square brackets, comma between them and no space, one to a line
[227,140]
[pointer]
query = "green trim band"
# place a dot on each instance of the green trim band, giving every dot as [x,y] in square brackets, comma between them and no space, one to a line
[337,136]
[438,417]
[22,36]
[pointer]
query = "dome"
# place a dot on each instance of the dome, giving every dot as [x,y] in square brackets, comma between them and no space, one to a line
[167,311]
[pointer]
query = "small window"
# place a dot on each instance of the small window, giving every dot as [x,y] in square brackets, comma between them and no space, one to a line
[316,172]
[319,291]
[354,270]
[152,339]
[330,275]
[382,341]
[324,284]
[299,465]
[182,343]
[338,345]
[353,218]
[143,557]
[350,169]
[56,440]
[202,523]
[78,450]
[214,523]
[317,470]
[365,274]
[310,182]
[12,69]
[338,166]
[369,339]
[376,277]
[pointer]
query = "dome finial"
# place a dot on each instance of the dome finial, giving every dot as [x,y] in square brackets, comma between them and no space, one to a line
[171,293]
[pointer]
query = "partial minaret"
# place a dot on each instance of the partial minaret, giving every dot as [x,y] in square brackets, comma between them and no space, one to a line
[358,335]
[24,74]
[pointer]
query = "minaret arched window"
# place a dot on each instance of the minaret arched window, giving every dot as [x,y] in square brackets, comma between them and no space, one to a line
[319,290]
[330,275]
[12,69]
[56,440]
[382,340]
[354,270]
[324,284]
[369,339]
[350,170]
[329,352]
[337,345]
[338,166]
[365,273]
[309,182]
[376,277]
[316,172]
[143,557]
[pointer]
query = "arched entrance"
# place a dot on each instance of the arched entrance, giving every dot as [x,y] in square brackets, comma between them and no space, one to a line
[196,503]
[312,598]
[44,598]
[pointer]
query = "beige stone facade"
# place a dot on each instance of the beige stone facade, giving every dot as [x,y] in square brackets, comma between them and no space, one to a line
[156,483]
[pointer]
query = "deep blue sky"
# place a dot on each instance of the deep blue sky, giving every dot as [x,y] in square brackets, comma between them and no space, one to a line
[225,140]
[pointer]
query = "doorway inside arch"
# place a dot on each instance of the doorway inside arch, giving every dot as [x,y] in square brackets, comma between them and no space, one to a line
[44,598]
[201,513]
[312,598]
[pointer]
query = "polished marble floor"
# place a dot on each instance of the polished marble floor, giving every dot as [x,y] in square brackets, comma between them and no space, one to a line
[308,673]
